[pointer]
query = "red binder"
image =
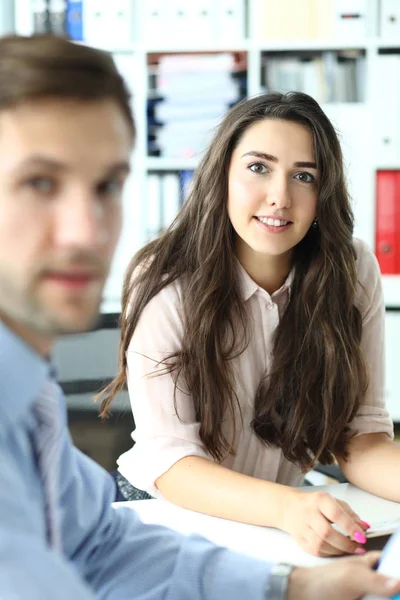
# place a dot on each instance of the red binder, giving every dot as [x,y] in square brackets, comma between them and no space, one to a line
[387,230]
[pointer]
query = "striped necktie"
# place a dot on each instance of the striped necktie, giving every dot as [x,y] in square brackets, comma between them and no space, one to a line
[48,446]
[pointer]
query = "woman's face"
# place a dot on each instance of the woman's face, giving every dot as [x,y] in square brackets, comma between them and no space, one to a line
[272,188]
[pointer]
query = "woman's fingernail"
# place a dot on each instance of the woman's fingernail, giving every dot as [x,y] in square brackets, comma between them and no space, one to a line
[360,551]
[360,537]
[365,524]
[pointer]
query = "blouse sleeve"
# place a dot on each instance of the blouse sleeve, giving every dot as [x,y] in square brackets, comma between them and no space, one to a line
[372,416]
[162,435]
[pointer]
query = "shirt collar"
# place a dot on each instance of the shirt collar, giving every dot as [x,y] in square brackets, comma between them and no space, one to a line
[249,287]
[22,375]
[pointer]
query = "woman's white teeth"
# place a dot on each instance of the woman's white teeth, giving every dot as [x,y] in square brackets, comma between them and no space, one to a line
[273,222]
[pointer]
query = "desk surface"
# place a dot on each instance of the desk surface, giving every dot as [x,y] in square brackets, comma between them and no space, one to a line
[261,542]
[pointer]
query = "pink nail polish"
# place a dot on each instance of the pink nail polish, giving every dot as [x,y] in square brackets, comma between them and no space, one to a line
[360,537]
[366,525]
[360,551]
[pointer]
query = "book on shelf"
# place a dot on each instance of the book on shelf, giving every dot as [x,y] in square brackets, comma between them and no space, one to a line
[326,76]
[165,193]
[188,96]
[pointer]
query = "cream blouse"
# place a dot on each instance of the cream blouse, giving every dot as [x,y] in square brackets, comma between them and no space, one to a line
[162,438]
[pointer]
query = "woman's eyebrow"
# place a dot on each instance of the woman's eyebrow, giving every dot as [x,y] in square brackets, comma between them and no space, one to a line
[271,158]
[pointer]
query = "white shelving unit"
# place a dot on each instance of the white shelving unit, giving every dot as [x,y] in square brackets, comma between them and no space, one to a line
[356,123]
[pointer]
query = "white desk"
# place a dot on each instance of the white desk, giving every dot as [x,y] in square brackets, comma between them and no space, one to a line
[261,542]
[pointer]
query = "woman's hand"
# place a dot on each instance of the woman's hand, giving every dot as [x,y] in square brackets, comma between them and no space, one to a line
[308,518]
[344,579]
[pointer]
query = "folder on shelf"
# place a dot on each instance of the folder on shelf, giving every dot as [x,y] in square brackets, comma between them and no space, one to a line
[202,20]
[7,17]
[390,19]
[385,72]
[185,180]
[41,16]
[179,25]
[152,16]
[57,16]
[120,18]
[230,20]
[170,197]
[387,233]
[349,20]
[74,23]
[154,207]
[108,23]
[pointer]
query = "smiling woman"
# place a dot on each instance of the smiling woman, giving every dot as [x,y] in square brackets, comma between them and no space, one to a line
[272,194]
[250,330]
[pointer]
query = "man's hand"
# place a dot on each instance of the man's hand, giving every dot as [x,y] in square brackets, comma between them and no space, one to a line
[343,579]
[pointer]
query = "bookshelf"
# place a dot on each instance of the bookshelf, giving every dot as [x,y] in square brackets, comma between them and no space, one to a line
[133,57]
[360,129]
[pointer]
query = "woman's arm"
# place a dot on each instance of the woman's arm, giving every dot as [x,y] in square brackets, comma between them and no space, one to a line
[201,485]
[374,460]
[374,465]
[204,486]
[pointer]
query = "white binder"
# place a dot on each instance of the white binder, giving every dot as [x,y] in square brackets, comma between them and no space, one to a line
[170,198]
[390,19]
[230,20]
[154,208]
[386,119]
[152,19]
[349,20]
[108,23]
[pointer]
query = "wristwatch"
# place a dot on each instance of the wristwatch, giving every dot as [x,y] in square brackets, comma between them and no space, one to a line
[278,581]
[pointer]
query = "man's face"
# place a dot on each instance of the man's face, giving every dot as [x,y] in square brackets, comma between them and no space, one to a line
[63,165]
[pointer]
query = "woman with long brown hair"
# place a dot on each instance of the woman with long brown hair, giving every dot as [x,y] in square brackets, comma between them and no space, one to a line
[252,335]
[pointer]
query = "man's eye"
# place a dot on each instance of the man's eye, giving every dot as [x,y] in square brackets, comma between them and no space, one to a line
[110,188]
[258,167]
[42,185]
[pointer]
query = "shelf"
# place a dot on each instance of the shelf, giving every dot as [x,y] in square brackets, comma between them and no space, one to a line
[387,166]
[243,45]
[311,44]
[388,43]
[171,164]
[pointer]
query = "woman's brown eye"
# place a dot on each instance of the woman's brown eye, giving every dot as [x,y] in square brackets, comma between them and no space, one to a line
[258,168]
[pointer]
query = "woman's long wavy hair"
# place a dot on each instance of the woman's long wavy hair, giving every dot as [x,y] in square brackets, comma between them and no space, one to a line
[318,377]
